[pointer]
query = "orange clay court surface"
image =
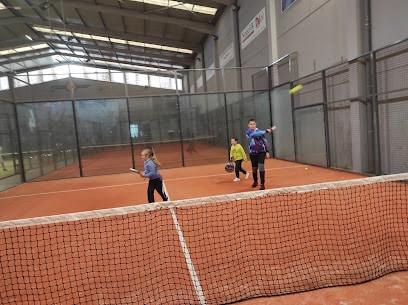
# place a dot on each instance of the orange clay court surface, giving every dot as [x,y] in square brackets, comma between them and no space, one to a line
[94,193]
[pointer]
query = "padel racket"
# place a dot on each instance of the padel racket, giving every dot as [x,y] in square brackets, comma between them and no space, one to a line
[229,167]
[135,171]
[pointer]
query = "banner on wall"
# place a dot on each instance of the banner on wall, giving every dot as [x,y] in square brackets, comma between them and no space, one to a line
[286,4]
[227,55]
[253,29]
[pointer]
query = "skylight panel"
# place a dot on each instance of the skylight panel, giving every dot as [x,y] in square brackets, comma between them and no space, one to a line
[114,40]
[24,49]
[181,6]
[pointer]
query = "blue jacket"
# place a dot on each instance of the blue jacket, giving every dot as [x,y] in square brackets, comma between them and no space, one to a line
[150,170]
[257,141]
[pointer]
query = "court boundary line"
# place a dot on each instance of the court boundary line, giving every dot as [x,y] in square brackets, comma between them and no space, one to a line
[129,184]
[189,261]
[197,201]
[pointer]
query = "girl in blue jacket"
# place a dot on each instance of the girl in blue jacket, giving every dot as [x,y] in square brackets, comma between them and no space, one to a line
[151,171]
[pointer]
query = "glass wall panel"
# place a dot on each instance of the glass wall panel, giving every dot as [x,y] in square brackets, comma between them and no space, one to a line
[262,110]
[284,143]
[310,135]
[104,139]
[240,108]
[204,129]
[340,124]
[154,123]
[9,156]
[393,126]
[243,106]
[48,143]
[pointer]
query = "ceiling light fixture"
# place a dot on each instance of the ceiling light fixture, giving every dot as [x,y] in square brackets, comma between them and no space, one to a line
[181,6]
[24,49]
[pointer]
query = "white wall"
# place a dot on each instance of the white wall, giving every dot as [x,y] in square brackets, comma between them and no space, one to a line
[322,32]
[326,32]
[316,30]
[225,35]
[389,22]
[256,53]
[56,90]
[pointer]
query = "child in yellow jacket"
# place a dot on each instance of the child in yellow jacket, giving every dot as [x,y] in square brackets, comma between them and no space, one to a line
[237,154]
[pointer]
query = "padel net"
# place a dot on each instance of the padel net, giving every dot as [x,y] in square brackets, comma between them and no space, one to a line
[214,250]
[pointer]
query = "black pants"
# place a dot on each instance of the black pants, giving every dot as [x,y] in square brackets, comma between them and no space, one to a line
[238,168]
[258,160]
[155,184]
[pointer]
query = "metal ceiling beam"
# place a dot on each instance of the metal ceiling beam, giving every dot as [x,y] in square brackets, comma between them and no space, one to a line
[174,59]
[101,32]
[166,60]
[27,58]
[17,20]
[192,25]
[85,57]
[133,37]
[10,71]
[225,2]
[117,61]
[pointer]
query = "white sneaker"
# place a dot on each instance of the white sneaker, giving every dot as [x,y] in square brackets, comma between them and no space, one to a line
[247,175]
[236,179]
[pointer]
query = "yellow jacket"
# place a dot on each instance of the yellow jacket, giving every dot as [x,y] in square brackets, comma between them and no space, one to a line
[237,153]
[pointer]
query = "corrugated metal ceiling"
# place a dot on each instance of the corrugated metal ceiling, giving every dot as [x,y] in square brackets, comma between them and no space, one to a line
[102,33]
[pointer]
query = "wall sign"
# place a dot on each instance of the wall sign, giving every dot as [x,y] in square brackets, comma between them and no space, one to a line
[253,29]
[227,55]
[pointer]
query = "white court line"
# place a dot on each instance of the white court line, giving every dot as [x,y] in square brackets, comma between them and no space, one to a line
[69,191]
[403,178]
[129,184]
[189,261]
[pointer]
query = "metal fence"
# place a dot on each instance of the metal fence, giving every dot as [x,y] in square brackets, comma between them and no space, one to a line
[352,116]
